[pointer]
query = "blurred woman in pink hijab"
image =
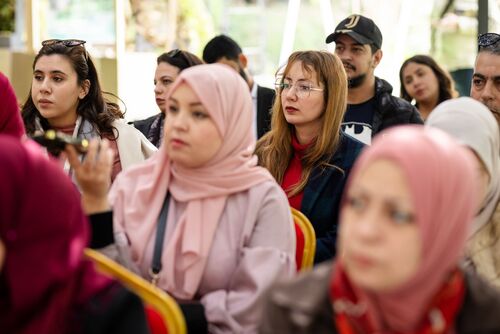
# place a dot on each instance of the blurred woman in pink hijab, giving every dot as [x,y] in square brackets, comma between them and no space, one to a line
[405,217]
[201,219]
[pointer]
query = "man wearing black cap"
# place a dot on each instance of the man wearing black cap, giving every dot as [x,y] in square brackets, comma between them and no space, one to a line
[371,107]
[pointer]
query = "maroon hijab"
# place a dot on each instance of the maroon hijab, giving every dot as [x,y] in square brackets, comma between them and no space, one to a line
[45,279]
[11,122]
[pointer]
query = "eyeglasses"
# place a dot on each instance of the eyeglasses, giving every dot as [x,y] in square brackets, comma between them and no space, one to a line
[488,39]
[303,90]
[66,42]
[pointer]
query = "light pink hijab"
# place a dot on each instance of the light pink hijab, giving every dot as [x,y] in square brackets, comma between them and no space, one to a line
[441,177]
[138,193]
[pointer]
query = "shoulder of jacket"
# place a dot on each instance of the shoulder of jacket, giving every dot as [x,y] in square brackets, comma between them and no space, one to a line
[347,151]
[386,99]
[304,292]
[478,313]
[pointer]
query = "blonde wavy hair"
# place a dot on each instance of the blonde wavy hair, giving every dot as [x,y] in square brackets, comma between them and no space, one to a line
[274,149]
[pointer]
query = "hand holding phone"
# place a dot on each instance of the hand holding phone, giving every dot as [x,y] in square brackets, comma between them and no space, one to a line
[55,142]
[93,174]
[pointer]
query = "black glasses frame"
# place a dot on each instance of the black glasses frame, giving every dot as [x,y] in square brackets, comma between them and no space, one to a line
[66,42]
[487,39]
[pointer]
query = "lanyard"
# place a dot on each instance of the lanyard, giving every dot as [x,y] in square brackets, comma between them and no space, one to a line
[155,269]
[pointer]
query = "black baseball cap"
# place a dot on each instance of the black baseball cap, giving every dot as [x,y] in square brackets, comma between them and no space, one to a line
[362,29]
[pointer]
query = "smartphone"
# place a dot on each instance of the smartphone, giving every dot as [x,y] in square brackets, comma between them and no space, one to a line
[55,142]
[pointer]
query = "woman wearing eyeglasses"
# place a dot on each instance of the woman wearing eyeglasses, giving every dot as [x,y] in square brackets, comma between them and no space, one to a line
[169,65]
[405,218]
[66,96]
[306,151]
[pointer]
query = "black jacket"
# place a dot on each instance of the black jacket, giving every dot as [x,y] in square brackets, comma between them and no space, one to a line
[323,192]
[265,99]
[144,125]
[391,110]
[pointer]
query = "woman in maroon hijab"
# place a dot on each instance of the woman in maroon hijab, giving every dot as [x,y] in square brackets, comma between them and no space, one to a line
[46,286]
[11,122]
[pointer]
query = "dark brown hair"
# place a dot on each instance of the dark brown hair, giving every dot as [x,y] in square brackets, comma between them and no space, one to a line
[93,107]
[179,58]
[445,82]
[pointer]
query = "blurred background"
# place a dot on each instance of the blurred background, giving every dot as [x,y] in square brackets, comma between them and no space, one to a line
[124,37]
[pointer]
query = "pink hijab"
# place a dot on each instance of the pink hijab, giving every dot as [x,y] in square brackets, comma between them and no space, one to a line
[11,122]
[441,178]
[45,281]
[138,193]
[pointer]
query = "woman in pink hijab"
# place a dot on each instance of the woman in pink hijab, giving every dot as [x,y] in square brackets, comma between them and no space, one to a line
[229,232]
[46,284]
[405,217]
[11,122]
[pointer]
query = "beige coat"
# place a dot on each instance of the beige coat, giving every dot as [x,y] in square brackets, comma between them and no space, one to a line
[133,147]
[483,249]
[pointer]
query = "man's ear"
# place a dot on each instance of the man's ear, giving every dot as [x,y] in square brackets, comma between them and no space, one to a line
[377,57]
[84,89]
[243,60]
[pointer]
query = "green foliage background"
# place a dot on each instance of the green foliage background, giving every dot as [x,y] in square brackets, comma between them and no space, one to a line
[7,15]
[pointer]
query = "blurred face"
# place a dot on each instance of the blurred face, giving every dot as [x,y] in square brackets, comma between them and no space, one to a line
[2,254]
[302,109]
[359,63]
[380,243]
[191,136]
[55,90]
[420,82]
[165,75]
[486,82]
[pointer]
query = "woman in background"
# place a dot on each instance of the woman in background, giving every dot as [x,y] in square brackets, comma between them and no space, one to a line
[169,65]
[426,83]
[66,96]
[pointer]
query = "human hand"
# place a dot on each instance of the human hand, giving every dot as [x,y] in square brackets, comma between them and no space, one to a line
[93,174]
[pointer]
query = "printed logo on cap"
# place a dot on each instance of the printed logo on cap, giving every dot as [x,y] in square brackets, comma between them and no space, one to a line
[353,21]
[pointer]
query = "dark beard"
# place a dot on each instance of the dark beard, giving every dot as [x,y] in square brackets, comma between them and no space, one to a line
[356,81]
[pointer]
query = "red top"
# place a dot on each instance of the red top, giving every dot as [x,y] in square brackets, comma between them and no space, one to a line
[294,172]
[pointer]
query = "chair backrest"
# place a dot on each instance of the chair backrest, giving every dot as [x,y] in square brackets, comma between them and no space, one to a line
[307,237]
[153,297]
